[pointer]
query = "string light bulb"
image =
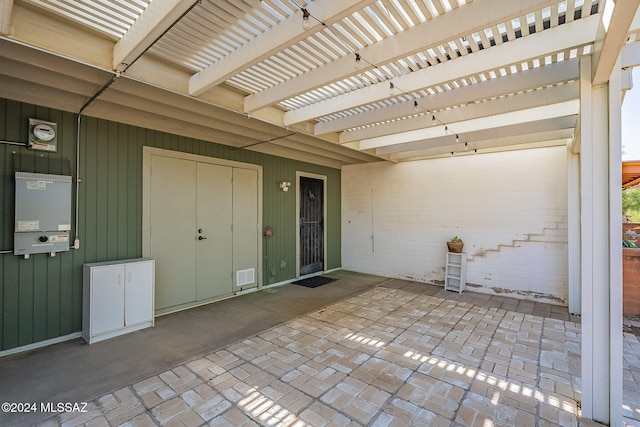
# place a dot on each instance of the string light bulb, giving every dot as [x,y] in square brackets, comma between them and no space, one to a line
[466,146]
[458,139]
[305,19]
[415,106]
[358,61]
[446,130]
[392,89]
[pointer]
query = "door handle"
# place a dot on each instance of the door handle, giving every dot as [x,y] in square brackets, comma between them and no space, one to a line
[201,238]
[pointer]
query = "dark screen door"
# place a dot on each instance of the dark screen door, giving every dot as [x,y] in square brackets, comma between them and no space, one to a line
[311,225]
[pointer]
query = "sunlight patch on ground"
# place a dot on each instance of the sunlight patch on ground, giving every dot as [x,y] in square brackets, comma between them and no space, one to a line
[505,385]
[260,407]
[361,339]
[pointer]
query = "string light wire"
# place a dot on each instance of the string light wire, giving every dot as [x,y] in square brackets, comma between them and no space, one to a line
[359,59]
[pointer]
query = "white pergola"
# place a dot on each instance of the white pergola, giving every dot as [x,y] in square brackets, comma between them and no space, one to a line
[363,81]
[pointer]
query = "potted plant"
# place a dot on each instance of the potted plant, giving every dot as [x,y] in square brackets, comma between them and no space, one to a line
[455,245]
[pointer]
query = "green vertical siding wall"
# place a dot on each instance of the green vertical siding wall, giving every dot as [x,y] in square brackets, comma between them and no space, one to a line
[41,297]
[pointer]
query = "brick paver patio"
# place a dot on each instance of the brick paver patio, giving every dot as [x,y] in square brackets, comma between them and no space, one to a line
[387,357]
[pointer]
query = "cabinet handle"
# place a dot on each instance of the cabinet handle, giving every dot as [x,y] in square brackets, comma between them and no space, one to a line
[119,278]
[129,277]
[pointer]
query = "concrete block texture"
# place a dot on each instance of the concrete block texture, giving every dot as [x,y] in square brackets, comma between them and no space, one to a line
[509,208]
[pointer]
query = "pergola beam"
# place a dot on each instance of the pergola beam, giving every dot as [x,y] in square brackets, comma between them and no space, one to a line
[561,125]
[157,18]
[531,79]
[561,38]
[548,138]
[437,31]
[272,41]
[562,109]
[606,53]
[470,110]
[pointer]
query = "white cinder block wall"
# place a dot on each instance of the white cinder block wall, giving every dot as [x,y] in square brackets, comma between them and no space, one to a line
[509,208]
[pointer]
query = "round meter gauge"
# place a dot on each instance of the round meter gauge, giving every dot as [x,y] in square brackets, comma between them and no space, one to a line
[44,133]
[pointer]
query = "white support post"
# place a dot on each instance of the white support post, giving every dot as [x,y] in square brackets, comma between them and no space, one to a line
[601,232]
[586,233]
[615,248]
[594,176]
[573,213]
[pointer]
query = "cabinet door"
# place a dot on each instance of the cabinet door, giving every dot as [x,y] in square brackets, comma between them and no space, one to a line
[138,292]
[107,302]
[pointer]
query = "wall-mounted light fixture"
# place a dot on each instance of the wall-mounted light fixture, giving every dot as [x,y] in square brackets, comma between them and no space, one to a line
[284,185]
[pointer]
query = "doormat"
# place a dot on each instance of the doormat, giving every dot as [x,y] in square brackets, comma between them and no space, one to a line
[314,282]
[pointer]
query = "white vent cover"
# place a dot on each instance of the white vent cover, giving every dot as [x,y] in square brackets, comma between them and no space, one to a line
[245,277]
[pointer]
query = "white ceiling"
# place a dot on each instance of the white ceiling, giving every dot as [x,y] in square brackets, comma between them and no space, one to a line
[467,76]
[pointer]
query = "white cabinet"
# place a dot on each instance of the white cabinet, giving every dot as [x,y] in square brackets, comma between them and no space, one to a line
[117,298]
[455,278]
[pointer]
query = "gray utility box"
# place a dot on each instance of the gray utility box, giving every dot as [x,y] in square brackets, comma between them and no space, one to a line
[43,213]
